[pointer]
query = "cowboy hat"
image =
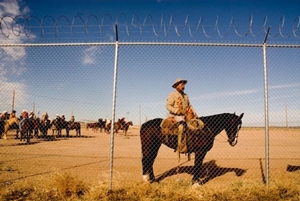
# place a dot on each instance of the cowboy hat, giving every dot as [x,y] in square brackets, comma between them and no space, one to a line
[178,81]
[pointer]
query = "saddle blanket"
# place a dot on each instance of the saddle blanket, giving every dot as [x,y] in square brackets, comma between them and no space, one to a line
[171,127]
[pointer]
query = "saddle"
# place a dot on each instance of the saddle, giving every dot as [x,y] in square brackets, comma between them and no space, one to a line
[184,132]
[170,127]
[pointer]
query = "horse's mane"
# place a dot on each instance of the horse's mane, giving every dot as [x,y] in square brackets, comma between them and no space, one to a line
[223,115]
[217,120]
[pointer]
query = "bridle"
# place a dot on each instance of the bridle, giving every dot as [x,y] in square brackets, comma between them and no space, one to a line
[231,129]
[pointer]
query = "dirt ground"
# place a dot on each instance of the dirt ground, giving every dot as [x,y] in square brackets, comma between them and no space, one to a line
[88,157]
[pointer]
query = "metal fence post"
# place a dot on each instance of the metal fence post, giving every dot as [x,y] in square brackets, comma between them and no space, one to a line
[113,112]
[266,109]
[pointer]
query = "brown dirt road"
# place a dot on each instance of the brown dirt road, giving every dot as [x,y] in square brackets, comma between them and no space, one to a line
[88,157]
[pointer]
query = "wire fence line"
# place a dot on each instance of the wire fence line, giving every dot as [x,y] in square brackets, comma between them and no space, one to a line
[134,45]
[18,25]
[161,53]
[150,44]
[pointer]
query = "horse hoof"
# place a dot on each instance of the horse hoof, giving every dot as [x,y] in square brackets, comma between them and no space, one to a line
[146,178]
[196,185]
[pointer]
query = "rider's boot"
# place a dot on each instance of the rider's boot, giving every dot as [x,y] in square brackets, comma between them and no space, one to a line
[181,144]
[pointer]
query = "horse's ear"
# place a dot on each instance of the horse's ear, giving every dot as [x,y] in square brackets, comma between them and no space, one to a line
[241,116]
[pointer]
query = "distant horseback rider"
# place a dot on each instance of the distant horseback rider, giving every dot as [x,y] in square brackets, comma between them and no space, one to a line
[12,114]
[3,115]
[123,121]
[180,111]
[32,115]
[45,117]
[72,120]
[24,116]
[57,121]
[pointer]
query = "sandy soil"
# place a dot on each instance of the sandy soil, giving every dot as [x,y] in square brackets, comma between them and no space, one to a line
[88,157]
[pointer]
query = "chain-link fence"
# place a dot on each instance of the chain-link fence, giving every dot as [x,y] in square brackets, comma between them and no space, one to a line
[111,80]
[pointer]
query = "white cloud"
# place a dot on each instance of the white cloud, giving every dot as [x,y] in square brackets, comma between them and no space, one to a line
[12,58]
[283,86]
[242,92]
[6,94]
[225,94]
[89,55]
[12,8]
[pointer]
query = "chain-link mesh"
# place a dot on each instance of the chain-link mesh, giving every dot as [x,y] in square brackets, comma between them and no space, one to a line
[69,79]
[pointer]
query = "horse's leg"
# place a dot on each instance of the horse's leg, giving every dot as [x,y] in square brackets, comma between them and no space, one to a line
[22,135]
[6,127]
[34,134]
[199,156]
[78,130]
[153,155]
[42,129]
[67,131]
[150,149]
[28,136]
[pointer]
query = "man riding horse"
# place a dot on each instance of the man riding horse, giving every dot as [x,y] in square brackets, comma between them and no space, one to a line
[25,117]
[181,112]
[3,117]
[44,124]
[72,120]
[7,121]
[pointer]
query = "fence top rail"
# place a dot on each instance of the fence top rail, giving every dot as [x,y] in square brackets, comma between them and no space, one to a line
[150,44]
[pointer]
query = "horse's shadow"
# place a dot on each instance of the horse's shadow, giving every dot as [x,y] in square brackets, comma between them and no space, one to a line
[292,168]
[209,171]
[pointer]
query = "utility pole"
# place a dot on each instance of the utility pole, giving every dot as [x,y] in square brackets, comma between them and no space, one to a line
[140,114]
[13,101]
[33,107]
[286,117]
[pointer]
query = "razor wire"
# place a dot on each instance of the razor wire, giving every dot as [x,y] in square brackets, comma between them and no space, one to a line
[15,26]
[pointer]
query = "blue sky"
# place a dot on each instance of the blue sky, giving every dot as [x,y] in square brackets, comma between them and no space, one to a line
[79,79]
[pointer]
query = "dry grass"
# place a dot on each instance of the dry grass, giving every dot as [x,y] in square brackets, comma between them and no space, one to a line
[68,187]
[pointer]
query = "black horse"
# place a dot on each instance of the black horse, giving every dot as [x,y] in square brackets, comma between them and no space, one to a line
[59,124]
[101,124]
[44,126]
[27,130]
[74,126]
[198,142]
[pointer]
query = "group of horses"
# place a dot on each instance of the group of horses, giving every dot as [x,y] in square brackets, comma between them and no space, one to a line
[38,127]
[95,126]
[152,137]
[119,125]
[104,126]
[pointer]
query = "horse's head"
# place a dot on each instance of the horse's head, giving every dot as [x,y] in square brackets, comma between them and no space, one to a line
[233,127]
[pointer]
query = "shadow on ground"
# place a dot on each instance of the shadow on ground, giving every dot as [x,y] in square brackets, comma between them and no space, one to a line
[292,168]
[209,171]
